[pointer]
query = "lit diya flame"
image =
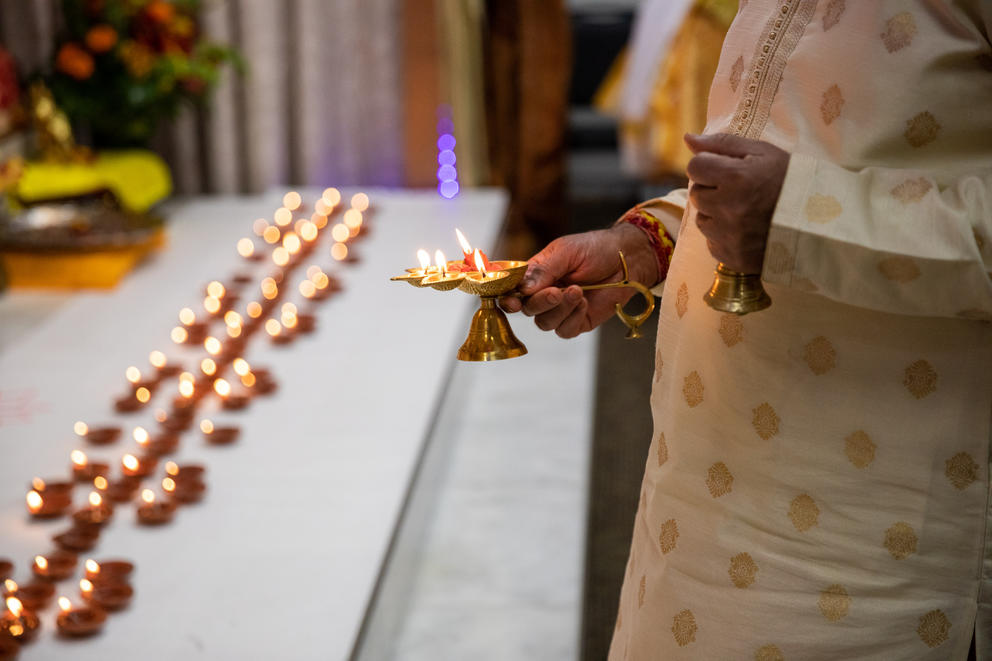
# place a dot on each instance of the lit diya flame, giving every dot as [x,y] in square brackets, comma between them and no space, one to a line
[186,389]
[292,200]
[41,562]
[179,335]
[78,458]
[222,387]
[248,380]
[38,484]
[157,359]
[10,586]
[212,345]
[168,485]
[273,327]
[480,264]
[211,304]
[148,496]
[187,317]
[64,604]
[441,262]
[96,499]
[34,501]
[143,394]
[132,374]
[320,280]
[85,585]
[271,234]
[14,604]
[206,426]
[360,201]
[233,319]
[81,428]
[254,309]
[331,196]
[241,366]
[246,247]
[425,261]
[130,462]
[208,366]
[471,257]
[100,482]
[172,468]
[92,566]
[140,435]
[308,289]
[216,289]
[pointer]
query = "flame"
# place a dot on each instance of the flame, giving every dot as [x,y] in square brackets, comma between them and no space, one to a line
[288,319]
[211,304]
[222,387]
[258,227]
[10,586]
[216,289]
[320,280]
[289,307]
[38,484]
[100,482]
[340,232]
[291,242]
[425,259]
[157,359]
[232,318]
[241,366]
[269,289]
[168,485]
[248,380]
[212,345]
[186,377]
[92,567]
[463,242]
[271,234]
[140,434]
[41,562]
[208,366]
[172,468]
[480,265]
[339,251]
[307,289]
[352,219]
[206,426]
[273,327]
[292,200]
[308,231]
[14,604]
[132,374]
[331,196]
[441,262]
[179,335]
[186,317]
[360,201]
[95,499]
[246,247]
[283,216]
[143,394]
[254,309]
[81,428]
[130,462]
[148,496]
[34,500]
[233,331]
[65,604]
[85,585]
[78,458]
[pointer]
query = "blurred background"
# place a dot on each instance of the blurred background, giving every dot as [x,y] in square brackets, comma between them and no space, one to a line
[576,108]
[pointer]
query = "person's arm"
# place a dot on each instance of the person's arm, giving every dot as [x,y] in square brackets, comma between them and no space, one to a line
[892,240]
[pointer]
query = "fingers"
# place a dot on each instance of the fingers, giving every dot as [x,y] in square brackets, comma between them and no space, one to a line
[550,318]
[720,143]
[547,267]
[511,303]
[706,199]
[709,169]
[575,323]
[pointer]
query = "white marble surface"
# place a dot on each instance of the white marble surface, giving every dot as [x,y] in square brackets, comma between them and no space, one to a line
[499,572]
[281,559]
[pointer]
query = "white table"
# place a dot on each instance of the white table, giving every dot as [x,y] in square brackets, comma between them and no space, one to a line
[284,556]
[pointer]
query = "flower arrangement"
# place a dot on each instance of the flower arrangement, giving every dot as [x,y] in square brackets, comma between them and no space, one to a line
[121,66]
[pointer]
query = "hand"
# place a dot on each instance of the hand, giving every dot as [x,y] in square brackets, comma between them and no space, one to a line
[734,185]
[580,259]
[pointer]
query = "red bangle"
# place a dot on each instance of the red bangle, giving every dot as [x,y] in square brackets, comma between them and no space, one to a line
[661,241]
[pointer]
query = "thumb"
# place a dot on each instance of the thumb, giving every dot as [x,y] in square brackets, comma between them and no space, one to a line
[546,268]
[720,143]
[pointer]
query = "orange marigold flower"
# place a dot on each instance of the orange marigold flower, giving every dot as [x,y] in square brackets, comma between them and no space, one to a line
[160,11]
[72,60]
[137,58]
[101,38]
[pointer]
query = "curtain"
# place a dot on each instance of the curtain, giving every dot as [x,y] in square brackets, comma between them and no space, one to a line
[320,103]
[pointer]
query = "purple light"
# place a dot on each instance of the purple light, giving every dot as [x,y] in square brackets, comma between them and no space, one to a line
[447,173]
[446,142]
[445,125]
[448,189]
[446,157]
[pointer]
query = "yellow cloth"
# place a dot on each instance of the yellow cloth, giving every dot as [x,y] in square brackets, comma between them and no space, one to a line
[138,178]
[817,485]
[652,146]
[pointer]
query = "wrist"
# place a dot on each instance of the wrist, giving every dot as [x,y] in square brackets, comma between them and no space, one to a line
[639,251]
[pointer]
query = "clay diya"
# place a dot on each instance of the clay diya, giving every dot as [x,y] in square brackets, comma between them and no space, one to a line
[98,512]
[17,622]
[78,538]
[78,622]
[97,435]
[55,566]
[9,648]
[189,490]
[108,571]
[34,596]
[84,470]
[133,466]
[109,596]
[185,471]
[152,512]
[49,503]
[218,435]
[6,568]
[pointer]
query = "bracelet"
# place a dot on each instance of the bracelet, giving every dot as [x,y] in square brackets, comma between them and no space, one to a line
[661,241]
